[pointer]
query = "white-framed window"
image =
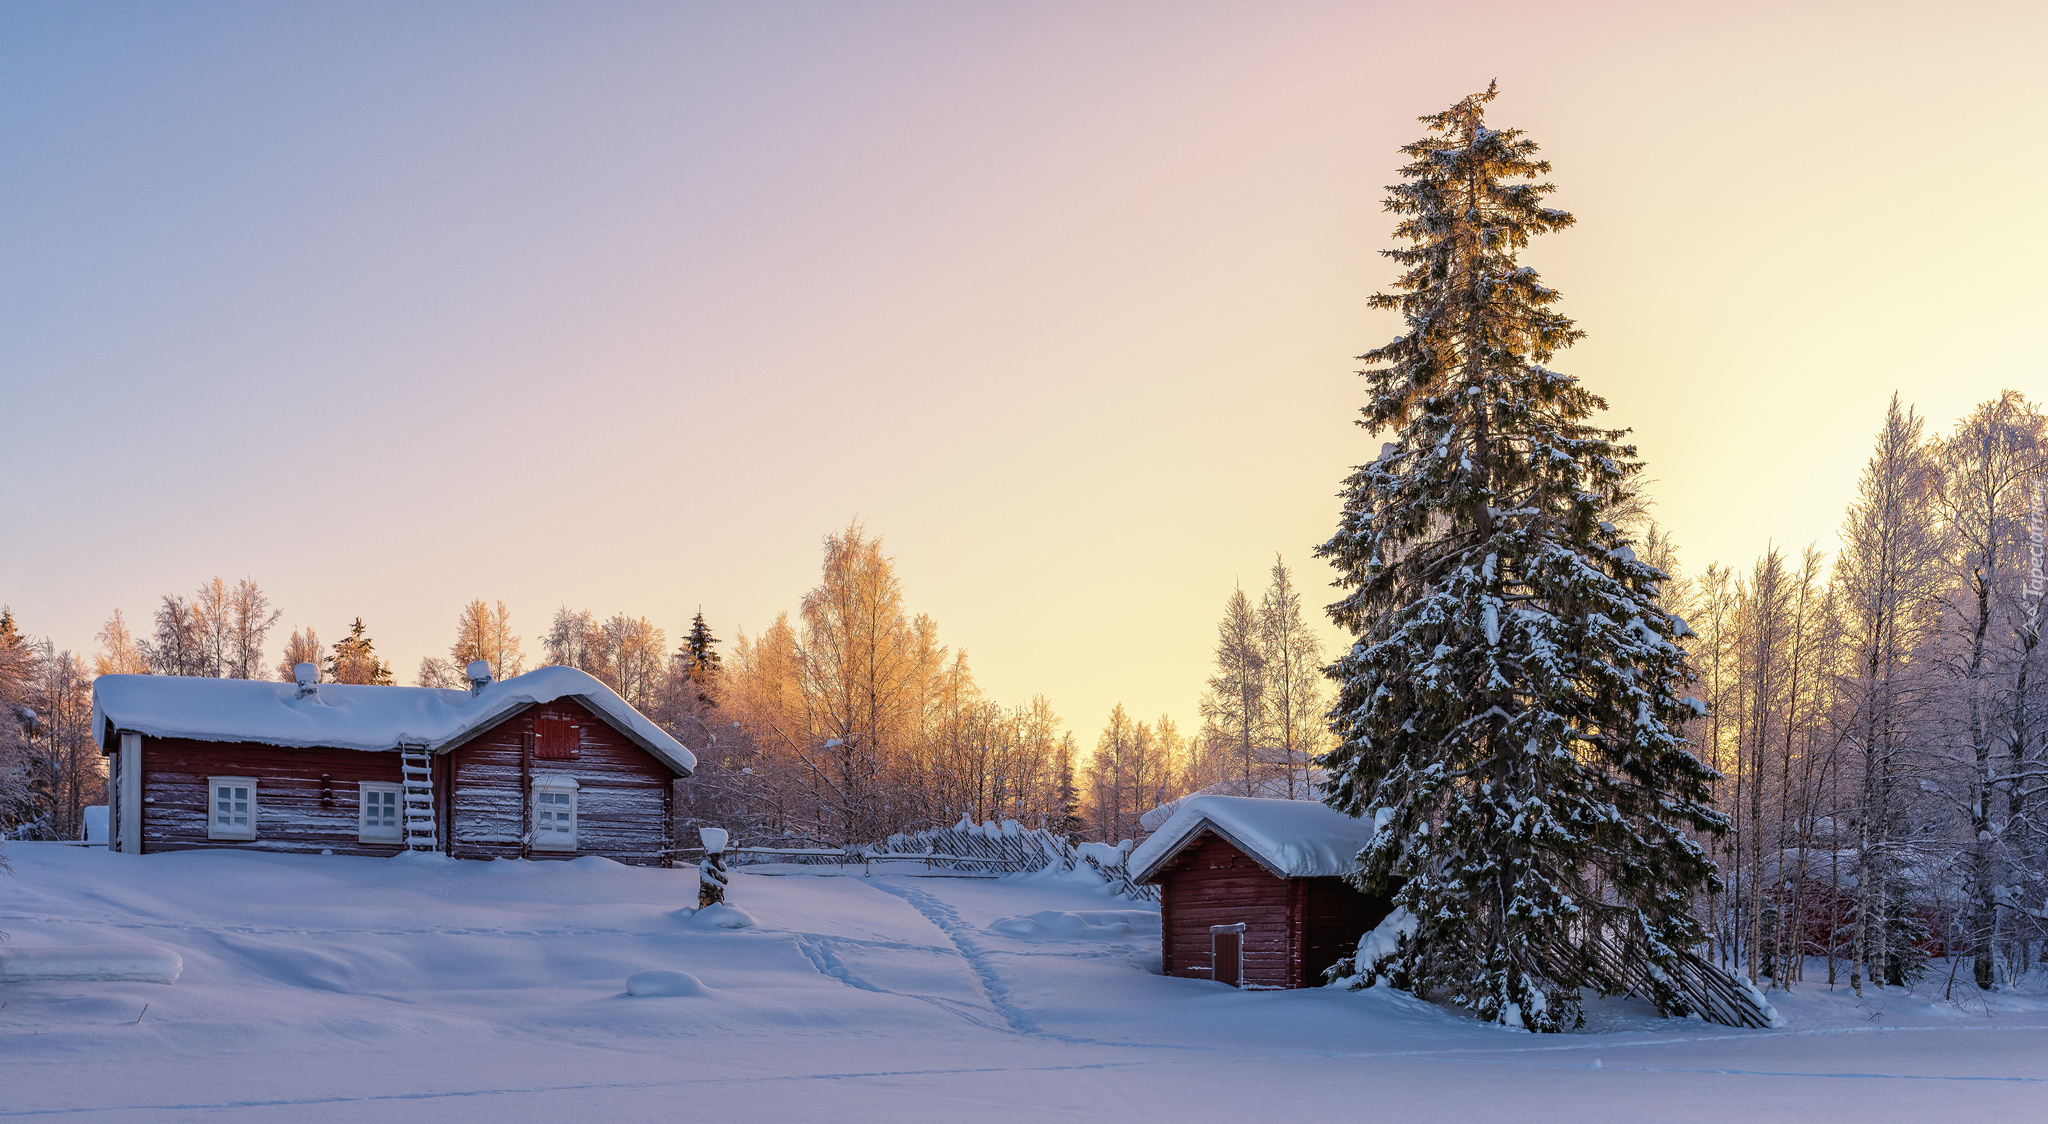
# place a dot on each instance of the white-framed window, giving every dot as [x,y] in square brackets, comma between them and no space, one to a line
[379,820]
[231,807]
[554,813]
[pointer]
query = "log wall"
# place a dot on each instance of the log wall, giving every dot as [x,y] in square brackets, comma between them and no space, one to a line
[624,804]
[1335,915]
[1212,883]
[1294,927]
[307,799]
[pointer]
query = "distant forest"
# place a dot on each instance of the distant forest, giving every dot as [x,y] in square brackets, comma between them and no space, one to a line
[844,723]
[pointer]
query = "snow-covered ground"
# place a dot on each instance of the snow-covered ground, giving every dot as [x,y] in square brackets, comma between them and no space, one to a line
[343,989]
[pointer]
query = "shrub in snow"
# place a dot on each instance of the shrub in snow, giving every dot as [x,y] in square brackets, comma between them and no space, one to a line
[664,981]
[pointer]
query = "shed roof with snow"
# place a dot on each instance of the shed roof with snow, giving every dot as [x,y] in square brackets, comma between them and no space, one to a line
[353,716]
[1289,838]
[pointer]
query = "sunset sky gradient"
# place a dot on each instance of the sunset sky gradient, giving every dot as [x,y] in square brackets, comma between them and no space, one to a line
[624,306]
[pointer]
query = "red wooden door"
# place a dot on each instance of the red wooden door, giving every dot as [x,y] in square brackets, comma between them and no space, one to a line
[1226,953]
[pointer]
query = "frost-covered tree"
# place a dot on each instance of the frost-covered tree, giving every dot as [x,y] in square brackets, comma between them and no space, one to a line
[1510,706]
[303,647]
[20,668]
[119,653]
[249,620]
[1234,709]
[1295,703]
[176,647]
[1983,494]
[1891,568]
[481,633]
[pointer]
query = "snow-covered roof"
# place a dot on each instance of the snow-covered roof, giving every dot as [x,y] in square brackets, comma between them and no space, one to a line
[352,716]
[1290,838]
[1274,786]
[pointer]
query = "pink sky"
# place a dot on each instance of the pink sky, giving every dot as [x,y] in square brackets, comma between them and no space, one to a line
[625,306]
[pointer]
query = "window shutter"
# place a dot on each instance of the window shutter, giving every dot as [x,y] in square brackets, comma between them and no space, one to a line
[555,739]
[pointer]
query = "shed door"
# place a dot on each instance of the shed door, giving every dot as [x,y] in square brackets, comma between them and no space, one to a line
[1226,953]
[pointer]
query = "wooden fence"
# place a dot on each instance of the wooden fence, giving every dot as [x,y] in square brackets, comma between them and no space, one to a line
[970,848]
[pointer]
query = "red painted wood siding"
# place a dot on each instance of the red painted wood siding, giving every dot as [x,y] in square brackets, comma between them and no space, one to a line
[1294,927]
[1212,883]
[1335,915]
[623,799]
[291,814]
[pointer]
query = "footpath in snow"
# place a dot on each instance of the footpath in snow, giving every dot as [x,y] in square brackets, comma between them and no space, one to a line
[317,988]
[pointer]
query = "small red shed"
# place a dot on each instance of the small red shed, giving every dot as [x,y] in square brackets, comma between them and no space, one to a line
[550,764]
[1252,890]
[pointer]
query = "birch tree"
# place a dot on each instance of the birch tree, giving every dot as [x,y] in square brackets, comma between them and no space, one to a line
[1235,708]
[1986,467]
[1295,702]
[1891,567]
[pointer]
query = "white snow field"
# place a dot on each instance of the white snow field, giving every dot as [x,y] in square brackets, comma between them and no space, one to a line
[321,988]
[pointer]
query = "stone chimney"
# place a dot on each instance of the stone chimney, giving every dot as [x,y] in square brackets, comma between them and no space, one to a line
[479,676]
[308,678]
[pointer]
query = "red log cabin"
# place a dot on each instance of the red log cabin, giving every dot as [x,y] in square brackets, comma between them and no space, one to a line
[550,764]
[1252,890]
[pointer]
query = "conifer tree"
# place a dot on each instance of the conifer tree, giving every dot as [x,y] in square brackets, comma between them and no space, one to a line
[1509,709]
[354,659]
[701,661]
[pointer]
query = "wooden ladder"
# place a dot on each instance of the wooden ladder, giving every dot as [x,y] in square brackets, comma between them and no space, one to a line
[418,767]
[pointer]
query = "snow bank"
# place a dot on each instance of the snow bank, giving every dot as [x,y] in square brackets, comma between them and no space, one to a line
[325,988]
[1053,924]
[351,716]
[1290,838]
[664,982]
[134,963]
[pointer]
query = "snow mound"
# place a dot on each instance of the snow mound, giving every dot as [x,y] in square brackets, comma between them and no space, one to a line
[134,963]
[664,981]
[721,916]
[1053,924]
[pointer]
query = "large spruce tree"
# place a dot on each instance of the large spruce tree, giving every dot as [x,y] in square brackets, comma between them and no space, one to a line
[1510,708]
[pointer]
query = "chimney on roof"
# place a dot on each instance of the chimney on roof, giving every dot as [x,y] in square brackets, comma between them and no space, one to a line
[479,676]
[308,678]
